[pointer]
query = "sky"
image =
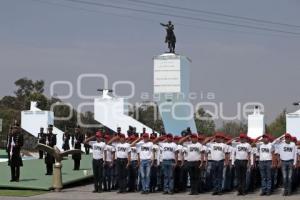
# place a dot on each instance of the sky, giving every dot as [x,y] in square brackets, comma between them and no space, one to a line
[58,40]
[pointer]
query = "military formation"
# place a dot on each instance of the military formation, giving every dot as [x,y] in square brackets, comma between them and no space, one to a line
[171,164]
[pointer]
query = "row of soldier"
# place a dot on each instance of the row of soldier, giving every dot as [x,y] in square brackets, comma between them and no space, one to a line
[218,163]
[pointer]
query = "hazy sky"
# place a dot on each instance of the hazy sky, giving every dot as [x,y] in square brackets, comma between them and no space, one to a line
[59,40]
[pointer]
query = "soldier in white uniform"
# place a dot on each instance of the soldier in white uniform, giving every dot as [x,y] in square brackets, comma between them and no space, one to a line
[241,161]
[287,156]
[99,158]
[220,158]
[265,152]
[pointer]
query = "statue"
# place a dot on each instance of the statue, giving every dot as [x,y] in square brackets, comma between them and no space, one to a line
[170,38]
[55,152]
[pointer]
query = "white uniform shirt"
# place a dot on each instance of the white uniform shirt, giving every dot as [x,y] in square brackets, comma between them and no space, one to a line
[145,151]
[134,155]
[98,149]
[194,151]
[122,150]
[184,150]
[265,151]
[168,150]
[109,153]
[180,152]
[242,151]
[287,151]
[218,151]
[157,152]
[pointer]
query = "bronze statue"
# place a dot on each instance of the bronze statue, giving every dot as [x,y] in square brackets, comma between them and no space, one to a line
[170,38]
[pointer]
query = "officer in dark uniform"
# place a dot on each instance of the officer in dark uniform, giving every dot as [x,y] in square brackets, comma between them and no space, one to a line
[66,140]
[42,140]
[51,142]
[7,141]
[77,140]
[15,143]
[86,146]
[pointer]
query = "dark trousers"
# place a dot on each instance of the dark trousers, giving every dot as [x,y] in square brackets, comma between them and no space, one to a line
[241,170]
[108,171]
[194,170]
[98,174]
[184,176]
[49,169]
[217,175]
[153,177]
[15,173]
[132,176]
[177,178]
[41,154]
[122,173]
[76,164]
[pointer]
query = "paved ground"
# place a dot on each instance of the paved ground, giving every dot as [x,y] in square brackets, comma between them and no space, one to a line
[84,192]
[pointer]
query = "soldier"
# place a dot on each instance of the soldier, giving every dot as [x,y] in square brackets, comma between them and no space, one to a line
[133,168]
[86,146]
[77,140]
[15,143]
[7,142]
[170,159]
[123,155]
[49,159]
[177,170]
[265,152]
[241,161]
[219,157]
[66,140]
[42,140]
[108,165]
[195,158]
[155,168]
[145,161]
[99,158]
[287,156]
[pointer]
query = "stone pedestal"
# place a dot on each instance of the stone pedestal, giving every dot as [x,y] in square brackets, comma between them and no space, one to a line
[171,92]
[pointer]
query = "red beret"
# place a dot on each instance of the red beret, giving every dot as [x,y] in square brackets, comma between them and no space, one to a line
[122,135]
[194,135]
[287,135]
[243,135]
[169,135]
[145,135]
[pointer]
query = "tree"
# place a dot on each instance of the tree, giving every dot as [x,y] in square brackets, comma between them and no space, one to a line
[278,126]
[204,123]
[233,128]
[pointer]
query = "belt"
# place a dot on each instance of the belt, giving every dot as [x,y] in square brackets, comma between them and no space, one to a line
[98,159]
[292,160]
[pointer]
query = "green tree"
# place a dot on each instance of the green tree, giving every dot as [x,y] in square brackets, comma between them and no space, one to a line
[233,128]
[278,126]
[204,123]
